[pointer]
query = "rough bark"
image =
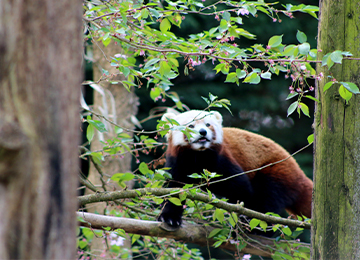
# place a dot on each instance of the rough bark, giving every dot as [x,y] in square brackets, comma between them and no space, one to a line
[336,218]
[40,76]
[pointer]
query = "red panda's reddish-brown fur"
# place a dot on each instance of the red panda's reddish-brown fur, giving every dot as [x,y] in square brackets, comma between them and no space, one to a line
[278,184]
[252,151]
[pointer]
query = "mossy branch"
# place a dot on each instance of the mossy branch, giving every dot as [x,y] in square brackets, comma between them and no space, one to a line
[193,233]
[124,194]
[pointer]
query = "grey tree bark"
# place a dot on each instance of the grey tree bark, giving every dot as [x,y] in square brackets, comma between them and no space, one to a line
[40,76]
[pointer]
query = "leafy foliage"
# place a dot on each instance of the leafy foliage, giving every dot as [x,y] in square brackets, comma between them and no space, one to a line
[151,54]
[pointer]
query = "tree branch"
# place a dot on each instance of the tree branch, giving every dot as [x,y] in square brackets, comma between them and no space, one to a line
[192,233]
[115,195]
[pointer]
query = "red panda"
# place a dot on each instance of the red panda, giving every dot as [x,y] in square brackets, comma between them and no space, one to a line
[229,151]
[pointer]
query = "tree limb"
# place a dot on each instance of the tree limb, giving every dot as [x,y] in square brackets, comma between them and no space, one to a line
[192,233]
[115,195]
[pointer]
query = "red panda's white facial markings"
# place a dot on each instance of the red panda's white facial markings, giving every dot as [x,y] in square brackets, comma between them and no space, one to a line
[206,125]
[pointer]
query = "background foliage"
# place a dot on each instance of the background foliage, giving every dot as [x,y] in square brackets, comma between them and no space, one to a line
[161,78]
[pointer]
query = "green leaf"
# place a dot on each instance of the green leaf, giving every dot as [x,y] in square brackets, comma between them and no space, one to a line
[88,233]
[154,12]
[351,87]
[214,232]
[312,98]
[155,93]
[336,57]
[304,48]
[234,216]
[290,50]
[182,196]
[82,244]
[310,138]
[98,125]
[218,243]
[232,222]
[275,41]
[219,215]
[346,53]
[344,93]
[328,85]
[97,157]
[252,78]
[195,176]
[291,95]
[175,201]
[144,169]
[128,176]
[226,16]
[327,61]
[266,75]
[254,223]
[151,62]
[301,37]
[90,132]
[292,108]
[263,225]
[305,109]
[231,77]
[165,25]
[240,73]
[164,68]
[223,26]
[158,201]
[287,231]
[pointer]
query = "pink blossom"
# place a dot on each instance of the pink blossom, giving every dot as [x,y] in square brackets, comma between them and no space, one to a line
[243,11]
[311,88]
[274,20]
[142,52]
[194,63]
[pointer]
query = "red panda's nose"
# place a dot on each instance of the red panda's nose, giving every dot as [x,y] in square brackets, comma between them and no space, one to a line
[202,132]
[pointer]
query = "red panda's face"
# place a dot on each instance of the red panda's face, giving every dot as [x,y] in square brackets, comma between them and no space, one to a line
[206,126]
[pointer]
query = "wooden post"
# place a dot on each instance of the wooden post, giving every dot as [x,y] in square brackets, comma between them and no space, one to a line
[336,218]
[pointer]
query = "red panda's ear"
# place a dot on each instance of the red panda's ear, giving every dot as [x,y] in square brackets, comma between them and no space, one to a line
[168,116]
[218,117]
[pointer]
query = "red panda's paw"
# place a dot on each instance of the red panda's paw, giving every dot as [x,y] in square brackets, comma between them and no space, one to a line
[171,215]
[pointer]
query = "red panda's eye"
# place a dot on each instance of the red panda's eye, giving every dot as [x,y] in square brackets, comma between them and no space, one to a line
[207,125]
[191,126]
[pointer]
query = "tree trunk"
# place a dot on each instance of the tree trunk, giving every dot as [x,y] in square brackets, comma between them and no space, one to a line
[336,218]
[40,76]
[117,104]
